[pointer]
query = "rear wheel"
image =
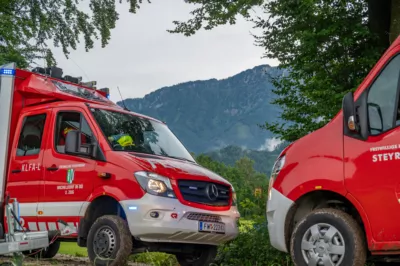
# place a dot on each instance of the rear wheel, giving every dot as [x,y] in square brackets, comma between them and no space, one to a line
[203,256]
[109,241]
[328,237]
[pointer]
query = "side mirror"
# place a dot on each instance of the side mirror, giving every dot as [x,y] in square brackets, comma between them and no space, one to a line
[349,112]
[73,145]
[73,142]
[355,115]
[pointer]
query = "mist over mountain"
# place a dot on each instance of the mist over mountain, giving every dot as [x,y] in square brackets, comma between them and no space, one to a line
[208,115]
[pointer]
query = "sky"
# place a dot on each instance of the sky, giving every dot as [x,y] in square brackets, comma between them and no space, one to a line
[143,57]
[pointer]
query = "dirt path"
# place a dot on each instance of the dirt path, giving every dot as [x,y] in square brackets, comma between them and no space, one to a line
[58,260]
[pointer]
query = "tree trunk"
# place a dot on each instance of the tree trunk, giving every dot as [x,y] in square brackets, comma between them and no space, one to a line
[379,20]
[395,20]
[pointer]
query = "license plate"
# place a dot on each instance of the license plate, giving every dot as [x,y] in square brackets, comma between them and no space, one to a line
[218,228]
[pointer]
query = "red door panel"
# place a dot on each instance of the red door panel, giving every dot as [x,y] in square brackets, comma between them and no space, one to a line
[25,176]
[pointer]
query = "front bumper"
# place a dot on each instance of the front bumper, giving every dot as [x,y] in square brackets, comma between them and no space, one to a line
[176,223]
[277,210]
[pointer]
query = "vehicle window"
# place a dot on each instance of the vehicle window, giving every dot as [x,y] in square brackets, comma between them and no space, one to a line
[382,99]
[131,133]
[67,121]
[31,135]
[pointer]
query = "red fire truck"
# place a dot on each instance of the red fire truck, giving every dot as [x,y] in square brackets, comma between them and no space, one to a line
[122,180]
[334,196]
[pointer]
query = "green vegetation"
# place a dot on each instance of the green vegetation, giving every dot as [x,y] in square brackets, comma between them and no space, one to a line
[27,26]
[263,159]
[327,48]
[71,248]
[252,247]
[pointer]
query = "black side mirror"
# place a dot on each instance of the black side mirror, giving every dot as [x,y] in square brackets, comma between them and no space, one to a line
[73,142]
[355,115]
[73,145]
[349,112]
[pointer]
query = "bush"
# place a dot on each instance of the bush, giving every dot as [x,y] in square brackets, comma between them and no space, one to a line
[251,248]
[155,259]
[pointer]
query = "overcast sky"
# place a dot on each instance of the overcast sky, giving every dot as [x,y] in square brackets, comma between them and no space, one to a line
[142,56]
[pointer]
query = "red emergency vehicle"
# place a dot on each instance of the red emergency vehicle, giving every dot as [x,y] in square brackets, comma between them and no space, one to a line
[121,179]
[334,196]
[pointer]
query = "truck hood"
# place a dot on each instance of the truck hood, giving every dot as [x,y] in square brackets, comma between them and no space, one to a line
[174,168]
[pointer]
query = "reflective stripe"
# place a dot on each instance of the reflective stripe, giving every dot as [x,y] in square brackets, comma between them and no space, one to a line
[59,209]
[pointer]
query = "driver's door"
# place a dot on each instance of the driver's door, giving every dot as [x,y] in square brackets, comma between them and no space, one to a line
[68,178]
[372,167]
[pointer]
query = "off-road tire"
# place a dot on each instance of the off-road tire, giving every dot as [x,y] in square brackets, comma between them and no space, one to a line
[121,242]
[207,257]
[355,246]
[45,253]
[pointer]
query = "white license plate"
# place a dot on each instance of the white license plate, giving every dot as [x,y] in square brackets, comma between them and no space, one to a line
[212,227]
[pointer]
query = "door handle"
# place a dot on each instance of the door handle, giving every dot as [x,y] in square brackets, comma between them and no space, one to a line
[53,168]
[16,171]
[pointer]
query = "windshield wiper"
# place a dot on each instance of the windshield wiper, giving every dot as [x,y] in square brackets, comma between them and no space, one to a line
[180,158]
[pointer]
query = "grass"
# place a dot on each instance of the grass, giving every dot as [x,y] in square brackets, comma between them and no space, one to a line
[71,248]
[153,258]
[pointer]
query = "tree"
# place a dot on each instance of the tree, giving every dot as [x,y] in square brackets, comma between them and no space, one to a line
[27,25]
[326,47]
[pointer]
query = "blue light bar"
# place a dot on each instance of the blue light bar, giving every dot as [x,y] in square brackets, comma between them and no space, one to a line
[7,71]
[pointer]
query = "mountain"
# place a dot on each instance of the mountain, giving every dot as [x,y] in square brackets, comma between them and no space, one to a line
[207,115]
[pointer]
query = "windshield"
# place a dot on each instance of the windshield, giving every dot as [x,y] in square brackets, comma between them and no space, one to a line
[127,132]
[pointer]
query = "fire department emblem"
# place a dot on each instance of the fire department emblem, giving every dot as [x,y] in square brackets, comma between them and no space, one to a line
[70,176]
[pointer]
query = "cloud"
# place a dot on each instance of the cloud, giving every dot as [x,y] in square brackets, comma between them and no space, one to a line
[142,56]
[270,144]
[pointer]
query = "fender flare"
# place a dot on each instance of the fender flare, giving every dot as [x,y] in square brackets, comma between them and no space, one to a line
[109,191]
[364,218]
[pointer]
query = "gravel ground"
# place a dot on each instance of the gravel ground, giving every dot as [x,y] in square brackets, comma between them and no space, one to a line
[59,259]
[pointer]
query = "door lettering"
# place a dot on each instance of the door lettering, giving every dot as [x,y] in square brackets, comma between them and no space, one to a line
[28,167]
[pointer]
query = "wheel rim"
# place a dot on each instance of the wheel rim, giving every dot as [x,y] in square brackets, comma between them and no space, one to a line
[104,241]
[323,245]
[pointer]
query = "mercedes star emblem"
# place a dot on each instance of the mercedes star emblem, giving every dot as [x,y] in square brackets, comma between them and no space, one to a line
[212,192]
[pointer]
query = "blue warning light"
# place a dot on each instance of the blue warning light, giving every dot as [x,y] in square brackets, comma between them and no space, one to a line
[7,71]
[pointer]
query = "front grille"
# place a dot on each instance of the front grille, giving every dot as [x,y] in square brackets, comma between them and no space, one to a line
[203,217]
[201,192]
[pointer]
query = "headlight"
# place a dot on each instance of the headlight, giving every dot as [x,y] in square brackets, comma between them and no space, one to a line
[234,199]
[155,184]
[274,173]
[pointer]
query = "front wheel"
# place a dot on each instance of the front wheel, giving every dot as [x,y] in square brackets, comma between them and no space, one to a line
[109,241]
[203,256]
[328,237]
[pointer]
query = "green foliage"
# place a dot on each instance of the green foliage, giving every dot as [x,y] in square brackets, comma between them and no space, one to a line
[245,180]
[329,50]
[263,159]
[155,259]
[326,47]
[251,247]
[27,25]
[213,13]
